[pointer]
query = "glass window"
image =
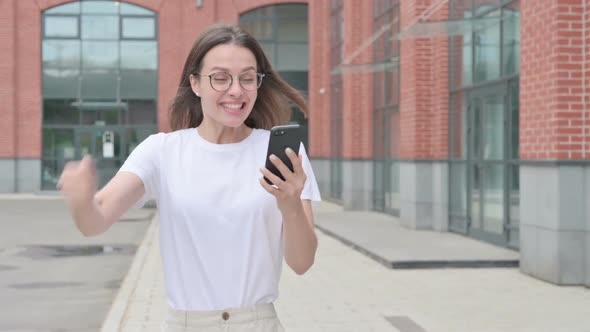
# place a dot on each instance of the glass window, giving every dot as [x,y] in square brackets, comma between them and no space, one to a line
[58,143]
[291,10]
[142,112]
[127,9]
[61,53]
[292,31]
[139,55]
[144,28]
[60,83]
[68,8]
[138,84]
[100,54]
[458,204]
[269,51]
[100,7]
[260,29]
[487,52]
[61,26]
[100,27]
[511,42]
[99,84]
[60,111]
[292,57]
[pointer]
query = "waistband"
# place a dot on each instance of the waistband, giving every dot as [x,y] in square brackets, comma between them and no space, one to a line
[229,316]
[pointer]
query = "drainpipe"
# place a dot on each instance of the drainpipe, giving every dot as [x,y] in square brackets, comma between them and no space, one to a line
[15,89]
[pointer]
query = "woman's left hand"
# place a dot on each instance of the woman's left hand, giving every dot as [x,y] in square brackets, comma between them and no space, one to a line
[287,192]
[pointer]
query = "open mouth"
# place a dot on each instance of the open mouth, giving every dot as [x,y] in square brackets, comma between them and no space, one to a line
[234,108]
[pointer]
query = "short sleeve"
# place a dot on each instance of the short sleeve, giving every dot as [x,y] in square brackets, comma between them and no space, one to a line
[144,162]
[311,190]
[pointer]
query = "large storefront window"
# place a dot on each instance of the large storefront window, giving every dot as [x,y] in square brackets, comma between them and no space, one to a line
[484,160]
[100,66]
[386,83]
[282,32]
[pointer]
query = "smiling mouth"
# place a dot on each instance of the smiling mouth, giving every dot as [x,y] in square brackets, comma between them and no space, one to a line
[235,108]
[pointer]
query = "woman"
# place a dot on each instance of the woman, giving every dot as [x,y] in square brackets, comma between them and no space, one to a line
[223,229]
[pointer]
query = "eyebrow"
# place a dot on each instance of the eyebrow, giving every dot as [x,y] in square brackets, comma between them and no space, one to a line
[225,69]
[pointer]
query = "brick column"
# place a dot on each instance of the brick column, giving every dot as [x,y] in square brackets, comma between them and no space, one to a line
[424,122]
[555,133]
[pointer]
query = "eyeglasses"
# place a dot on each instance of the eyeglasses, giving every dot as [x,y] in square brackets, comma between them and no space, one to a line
[222,81]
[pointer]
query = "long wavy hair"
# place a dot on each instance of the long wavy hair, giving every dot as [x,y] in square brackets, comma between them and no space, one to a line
[273,104]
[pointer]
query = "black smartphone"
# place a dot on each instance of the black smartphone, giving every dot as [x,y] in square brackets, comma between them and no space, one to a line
[281,138]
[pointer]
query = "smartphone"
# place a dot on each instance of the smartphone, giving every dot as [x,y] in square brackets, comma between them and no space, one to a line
[281,138]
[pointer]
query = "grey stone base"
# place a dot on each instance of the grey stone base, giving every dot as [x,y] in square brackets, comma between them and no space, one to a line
[424,195]
[321,169]
[20,175]
[357,184]
[555,225]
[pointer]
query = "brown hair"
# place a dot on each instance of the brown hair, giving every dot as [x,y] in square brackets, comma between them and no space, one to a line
[272,106]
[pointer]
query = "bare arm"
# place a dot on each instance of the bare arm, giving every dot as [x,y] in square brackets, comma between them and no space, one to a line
[93,212]
[299,238]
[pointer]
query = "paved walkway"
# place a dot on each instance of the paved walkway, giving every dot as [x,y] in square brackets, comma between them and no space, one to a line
[348,291]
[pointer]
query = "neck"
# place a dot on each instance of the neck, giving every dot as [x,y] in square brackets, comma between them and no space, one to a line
[222,134]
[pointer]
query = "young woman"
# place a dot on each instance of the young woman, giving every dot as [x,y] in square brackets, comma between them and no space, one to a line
[223,229]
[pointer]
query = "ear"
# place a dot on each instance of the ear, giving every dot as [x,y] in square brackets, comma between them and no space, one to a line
[195,84]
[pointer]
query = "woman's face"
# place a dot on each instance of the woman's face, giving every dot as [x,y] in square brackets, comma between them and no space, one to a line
[222,103]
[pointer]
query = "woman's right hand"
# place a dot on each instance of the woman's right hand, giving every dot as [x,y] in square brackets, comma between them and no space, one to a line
[79,182]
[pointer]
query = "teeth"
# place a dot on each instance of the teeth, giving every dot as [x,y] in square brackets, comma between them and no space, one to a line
[233,106]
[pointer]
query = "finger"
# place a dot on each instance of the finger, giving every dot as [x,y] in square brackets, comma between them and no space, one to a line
[296,160]
[270,189]
[285,171]
[277,181]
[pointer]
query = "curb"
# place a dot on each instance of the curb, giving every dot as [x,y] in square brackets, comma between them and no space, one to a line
[114,318]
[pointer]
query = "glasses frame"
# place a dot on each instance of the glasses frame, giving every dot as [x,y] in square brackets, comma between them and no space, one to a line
[260,76]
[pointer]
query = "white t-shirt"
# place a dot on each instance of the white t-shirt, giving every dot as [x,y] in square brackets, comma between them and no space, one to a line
[220,231]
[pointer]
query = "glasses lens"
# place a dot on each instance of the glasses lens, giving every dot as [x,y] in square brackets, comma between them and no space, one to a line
[221,81]
[250,80]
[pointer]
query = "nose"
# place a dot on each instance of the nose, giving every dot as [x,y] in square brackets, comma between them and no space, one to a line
[235,90]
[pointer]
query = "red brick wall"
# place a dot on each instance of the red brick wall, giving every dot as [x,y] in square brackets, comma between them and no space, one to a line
[319,79]
[357,110]
[424,88]
[7,78]
[554,123]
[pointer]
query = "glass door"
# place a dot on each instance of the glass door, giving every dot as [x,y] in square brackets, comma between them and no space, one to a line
[487,174]
[106,145]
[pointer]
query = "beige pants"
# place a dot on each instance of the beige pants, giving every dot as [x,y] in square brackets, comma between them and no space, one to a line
[258,318]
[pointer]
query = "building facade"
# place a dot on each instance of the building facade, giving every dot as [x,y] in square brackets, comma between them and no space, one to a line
[467,116]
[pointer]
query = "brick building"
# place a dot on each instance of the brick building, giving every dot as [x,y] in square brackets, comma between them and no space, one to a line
[467,116]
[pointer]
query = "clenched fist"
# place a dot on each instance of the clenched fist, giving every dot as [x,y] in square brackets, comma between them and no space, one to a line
[78,181]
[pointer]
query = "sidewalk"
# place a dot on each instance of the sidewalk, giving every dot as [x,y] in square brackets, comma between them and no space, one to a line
[348,291]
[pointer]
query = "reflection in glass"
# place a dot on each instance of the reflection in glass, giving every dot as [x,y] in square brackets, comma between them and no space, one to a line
[475,196]
[458,199]
[487,52]
[292,57]
[100,54]
[127,9]
[260,29]
[100,27]
[134,27]
[99,84]
[100,7]
[139,54]
[61,53]
[494,199]
[68,8]
[293,31]
[291,10]
[269,51]
[61,26]
[60,83]
[514,208]
[138,84]
[493,127]
[511,42]
[60,111]
[58,143]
